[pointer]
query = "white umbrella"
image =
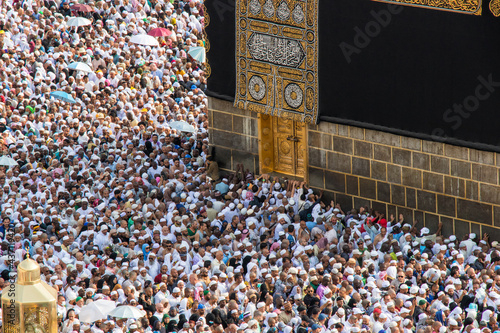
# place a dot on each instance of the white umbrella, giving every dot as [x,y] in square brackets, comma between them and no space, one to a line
[7,161]
[96,310]
[80,66]
[182,126]
[143,39]
[78,22]
[127,311]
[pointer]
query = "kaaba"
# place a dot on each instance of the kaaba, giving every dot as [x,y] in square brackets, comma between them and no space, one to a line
[429,71]
[388,104]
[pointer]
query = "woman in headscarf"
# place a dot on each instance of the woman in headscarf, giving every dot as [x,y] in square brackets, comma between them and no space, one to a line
[100,284]
[252,268]
[149,148]
[485,317]
[112,281]
[121,296]
[220,316]
[195,23]
[146,253]
[266,288]
[116,288]
[67,325]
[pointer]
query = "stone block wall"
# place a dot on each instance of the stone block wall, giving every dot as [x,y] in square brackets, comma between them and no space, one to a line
[424,180]
[233,136]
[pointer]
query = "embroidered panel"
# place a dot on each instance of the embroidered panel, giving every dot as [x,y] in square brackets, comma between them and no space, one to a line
[495,7]
[277,58]
[458,6]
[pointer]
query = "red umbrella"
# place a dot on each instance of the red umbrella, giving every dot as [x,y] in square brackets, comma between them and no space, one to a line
[82,8]
[160,32]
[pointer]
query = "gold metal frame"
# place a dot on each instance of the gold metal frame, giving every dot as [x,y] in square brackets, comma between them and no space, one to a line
[282,146]
[473,7]
[31,305]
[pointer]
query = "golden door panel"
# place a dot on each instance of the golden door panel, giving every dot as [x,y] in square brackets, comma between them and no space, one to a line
[284,149]
[290,150]
[301,148]
[266,143]
[282,146]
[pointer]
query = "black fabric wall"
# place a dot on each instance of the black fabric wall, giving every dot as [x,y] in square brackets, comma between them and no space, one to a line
[221,56]
[411,71]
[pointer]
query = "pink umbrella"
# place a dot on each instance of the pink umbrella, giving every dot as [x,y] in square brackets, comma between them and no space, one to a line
[160,32]
[82,8]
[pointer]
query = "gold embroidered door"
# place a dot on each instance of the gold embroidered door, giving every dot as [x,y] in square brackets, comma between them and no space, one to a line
[283,146]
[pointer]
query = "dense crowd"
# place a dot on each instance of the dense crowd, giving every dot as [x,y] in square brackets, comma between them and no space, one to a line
[117,204]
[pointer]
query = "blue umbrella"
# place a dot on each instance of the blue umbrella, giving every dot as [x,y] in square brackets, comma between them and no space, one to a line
[61,95]
[198,53]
